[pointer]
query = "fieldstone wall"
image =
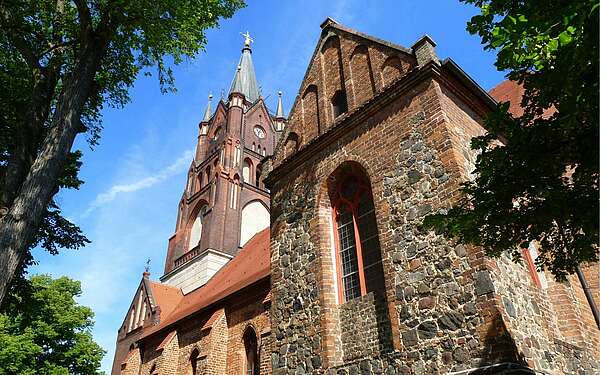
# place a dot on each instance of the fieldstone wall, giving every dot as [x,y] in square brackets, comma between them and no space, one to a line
[365,328]
[296,309]
[532,319]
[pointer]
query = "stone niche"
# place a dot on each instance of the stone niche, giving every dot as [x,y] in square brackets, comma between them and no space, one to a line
[365,327]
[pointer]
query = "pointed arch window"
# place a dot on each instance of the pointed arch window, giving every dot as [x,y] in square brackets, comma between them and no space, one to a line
[358,253]
[196,230]
[251,347]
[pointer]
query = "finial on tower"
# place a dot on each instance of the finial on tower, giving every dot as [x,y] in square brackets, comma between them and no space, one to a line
[208,112]
[247,39]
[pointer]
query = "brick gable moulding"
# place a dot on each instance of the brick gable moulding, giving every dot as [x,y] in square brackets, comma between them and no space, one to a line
[299,249]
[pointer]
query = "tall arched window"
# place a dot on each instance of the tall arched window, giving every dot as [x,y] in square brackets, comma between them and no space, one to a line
[251,347]
[358,252]
[258,175]
[247,170]
[194,362]
[199,181]
[208,174]
[196,230]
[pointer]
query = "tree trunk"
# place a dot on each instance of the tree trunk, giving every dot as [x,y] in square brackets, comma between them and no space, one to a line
[20,224]
[28,140]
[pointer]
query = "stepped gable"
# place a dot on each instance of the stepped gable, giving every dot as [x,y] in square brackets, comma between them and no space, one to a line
[249,266]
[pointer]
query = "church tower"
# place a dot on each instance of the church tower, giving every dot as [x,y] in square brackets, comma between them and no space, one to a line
[224,202]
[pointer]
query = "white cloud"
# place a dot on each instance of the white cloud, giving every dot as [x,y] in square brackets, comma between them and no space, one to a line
[111,194]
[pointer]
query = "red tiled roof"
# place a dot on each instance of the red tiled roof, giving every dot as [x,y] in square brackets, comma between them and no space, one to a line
[512,92]
[250,265]
[509,91]
[165,296]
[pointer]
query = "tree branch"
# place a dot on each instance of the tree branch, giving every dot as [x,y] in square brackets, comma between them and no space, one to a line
[85,19]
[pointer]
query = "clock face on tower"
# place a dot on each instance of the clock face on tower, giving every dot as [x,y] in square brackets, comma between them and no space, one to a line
[259,132]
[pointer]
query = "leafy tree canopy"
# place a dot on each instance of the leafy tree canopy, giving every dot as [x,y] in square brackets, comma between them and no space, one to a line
[44,331]
[61,63]
[541,182]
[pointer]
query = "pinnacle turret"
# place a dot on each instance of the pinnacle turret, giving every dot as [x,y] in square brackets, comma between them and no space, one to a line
[279,111]
[208,112]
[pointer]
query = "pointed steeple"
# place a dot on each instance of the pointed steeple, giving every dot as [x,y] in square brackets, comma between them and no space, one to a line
[244,81]
[208,112]
[279,111]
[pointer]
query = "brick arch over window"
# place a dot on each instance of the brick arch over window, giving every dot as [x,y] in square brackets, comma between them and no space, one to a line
[361,73]
[310,110]
[391,69]
[359,268]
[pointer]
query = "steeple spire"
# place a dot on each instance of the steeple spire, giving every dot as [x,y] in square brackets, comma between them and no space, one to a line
[244,81]
[279,111]
[208,112]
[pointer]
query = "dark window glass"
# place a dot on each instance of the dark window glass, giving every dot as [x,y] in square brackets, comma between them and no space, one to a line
[339,103]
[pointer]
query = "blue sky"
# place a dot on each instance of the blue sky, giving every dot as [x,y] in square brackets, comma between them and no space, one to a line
[135,177]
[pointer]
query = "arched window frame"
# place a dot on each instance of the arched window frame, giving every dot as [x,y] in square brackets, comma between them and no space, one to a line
[339,202]
[252,361]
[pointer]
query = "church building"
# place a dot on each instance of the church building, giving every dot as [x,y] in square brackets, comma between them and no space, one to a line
[299,249]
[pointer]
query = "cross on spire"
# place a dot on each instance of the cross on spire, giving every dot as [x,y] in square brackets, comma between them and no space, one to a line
[247,39]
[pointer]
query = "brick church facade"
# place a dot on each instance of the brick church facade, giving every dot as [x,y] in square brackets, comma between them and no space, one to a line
[299,249]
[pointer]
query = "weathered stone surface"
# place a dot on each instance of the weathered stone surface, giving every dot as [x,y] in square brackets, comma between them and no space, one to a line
[483,283]
[452,320]
[427,330]
[409,338]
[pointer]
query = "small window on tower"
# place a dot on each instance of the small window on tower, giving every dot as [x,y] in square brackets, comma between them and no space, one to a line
[339,103]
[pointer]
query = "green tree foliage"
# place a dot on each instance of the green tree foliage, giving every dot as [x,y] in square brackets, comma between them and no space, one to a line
[44,331]
[541,183]
[61,63]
